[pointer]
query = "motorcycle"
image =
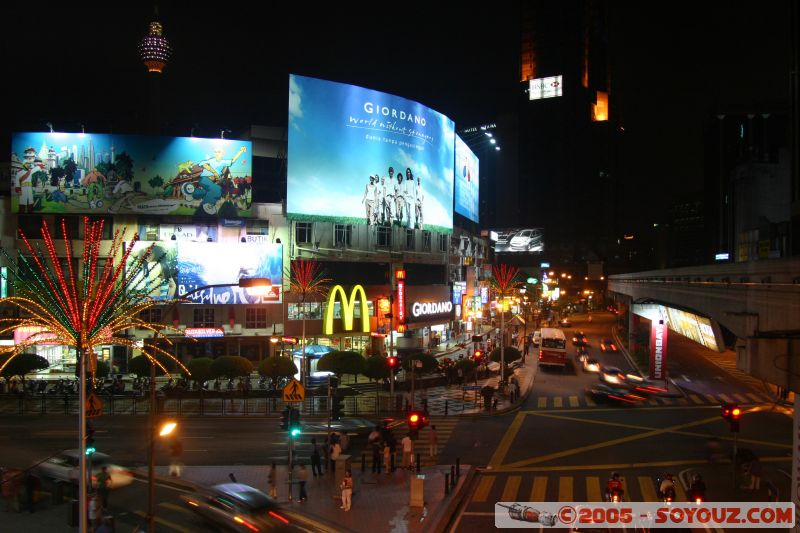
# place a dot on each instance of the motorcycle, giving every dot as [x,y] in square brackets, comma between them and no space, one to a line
[667,495]
[615,496]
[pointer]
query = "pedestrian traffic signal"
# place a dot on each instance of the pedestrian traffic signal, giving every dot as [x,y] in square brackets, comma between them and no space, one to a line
[392,361]
[294,423]
[336,408]
[732,413]
[90,448]
[478,355]
[285,418]
[417,420]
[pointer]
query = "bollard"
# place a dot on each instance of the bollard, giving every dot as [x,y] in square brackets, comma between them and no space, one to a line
[418,465]
[446,405]
[458,467]
[446,484]
[363,462]
[453,475]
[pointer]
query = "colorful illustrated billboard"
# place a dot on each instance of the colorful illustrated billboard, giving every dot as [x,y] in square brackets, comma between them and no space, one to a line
[174,269]
[130,174]
[520,240]
[358,156]
[467,183]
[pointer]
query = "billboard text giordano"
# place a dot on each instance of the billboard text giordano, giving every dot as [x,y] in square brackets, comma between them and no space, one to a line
[348,307]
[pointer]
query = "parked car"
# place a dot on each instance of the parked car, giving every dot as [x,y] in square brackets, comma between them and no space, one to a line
[66,465]
[238,507]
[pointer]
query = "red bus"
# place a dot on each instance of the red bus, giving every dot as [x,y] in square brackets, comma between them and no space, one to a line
[553,348]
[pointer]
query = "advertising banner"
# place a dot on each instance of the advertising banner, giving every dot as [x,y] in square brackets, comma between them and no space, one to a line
[467,183]
[129,174]
[428,303]
[175,269]
[520,240]
[358,156]
[658,350]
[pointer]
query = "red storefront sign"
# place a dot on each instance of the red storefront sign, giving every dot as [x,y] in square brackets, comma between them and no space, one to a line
[658,350]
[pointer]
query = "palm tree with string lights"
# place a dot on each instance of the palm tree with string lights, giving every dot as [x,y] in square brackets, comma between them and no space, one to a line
[81,308]
[306,278]
[504,281]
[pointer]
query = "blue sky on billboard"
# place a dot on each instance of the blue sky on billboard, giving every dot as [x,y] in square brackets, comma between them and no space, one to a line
[467,182]
[55,172]
[341,135]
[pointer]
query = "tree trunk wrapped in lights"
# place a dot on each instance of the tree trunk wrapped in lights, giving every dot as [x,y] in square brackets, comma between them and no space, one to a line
[305,279]
[504,281]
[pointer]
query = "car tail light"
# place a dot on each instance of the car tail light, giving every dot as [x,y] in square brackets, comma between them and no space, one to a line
[613,347]
[279,517]
[245,523]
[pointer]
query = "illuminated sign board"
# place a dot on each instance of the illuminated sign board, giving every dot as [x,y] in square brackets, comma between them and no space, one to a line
[696,327]
[348,308]
[484,295]
[31,334]
[459,289]
[174,269]
[419,309]
[467,183]
[658,350]
[343,141]
[544,265]
[722,257]
[401,300]
[3,282]
[539,88]
[520,240]
[91,173]
[204,333]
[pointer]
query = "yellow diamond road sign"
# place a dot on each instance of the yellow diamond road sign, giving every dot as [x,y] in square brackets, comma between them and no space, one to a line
[94,406]
[294,392]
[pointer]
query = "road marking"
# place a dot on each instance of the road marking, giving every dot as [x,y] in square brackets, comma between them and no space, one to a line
[624,466]
[740,398]
[539,489]
[711,398]
[755,397]
[725,398]
[511,488]
[682,401]
[176,508]
[647,489]
[200,450]
[484,487]
[573,401]
[593,489]
[565,489]
[542,402]
[696,399]
[686,378]
[590,402]
[557,402]
[507,441]
[617,410]
[202,437]
[167,523]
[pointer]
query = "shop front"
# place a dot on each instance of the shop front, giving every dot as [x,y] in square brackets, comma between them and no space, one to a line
[429,315]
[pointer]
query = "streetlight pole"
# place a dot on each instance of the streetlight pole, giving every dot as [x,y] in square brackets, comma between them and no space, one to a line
[84,503]
[502,341]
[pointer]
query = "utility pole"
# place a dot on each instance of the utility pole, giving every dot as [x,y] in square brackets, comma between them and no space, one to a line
[84,503]
[151,455]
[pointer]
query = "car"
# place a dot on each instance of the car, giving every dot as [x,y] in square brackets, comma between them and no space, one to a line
[579,339]
[607,393]
[65,466]
[529,240]
[581,354]
[591,365]
[565,323]
[613,375]
[238,507]
[608,345]
[537,337]
[640,385]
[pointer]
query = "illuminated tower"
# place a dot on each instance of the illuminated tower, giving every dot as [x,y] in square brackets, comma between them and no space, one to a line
[155,51]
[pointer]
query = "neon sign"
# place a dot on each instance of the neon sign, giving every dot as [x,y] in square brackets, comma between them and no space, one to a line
[348,307]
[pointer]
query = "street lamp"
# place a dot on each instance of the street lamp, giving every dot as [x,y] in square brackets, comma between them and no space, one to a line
[256,286]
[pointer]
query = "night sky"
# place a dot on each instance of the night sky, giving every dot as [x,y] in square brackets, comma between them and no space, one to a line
[672,66]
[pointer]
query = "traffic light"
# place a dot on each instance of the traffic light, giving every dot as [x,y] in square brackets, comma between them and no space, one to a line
[337,407]
[732,413]
[285,418]
[417,420]
[477,356]
[294,423]
[392,362]
[90,448]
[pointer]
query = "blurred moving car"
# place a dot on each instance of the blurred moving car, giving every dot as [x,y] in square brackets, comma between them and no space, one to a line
[66,465]
[579,339]
[565,323]
[591,365]
[640,385]
[604,392]
[238,507]
[608,345]
[613,375]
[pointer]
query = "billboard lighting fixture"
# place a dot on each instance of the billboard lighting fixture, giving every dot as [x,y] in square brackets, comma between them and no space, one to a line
[497,148]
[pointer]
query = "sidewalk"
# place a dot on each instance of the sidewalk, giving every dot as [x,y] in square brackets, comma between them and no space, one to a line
[380,502]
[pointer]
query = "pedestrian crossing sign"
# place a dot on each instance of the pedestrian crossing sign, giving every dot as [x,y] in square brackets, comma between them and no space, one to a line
[294,392]
[94,406]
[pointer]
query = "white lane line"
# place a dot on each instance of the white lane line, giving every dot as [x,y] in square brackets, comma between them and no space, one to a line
[686,378]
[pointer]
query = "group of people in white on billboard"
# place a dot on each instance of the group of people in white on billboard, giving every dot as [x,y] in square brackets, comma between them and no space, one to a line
[392,201]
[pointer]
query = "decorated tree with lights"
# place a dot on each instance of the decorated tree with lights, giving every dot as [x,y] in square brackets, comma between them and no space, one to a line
[306,278]
[504,281]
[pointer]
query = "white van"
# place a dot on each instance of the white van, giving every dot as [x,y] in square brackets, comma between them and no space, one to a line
[537,337]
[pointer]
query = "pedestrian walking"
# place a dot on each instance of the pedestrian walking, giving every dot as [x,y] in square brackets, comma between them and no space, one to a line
[433,440]
[175,452]
[336,451]
[347,491]
[408,451]
[272,481]
[316,463]
[302,477]
[103,483]
[374,441]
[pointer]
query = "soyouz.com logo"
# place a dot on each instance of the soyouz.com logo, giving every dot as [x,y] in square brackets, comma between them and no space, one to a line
[534,515]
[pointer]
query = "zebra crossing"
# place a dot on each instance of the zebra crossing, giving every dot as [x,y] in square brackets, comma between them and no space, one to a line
[444,429]
[727,362]
[491,488]
[577,402]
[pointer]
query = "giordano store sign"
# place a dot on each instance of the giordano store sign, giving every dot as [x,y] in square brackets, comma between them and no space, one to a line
[421,309]
[348,309]
[429,303]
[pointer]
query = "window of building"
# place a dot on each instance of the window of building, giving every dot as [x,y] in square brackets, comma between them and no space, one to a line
[153,315]
[65,267]
[257,227]
[30,225]
[255,317]
[426,240]
[337,309]
[313,311]
[303,232]
[443,239]
[108,227]
[343,234]
[409,239]
[385,236]
[71,224]
[101,264]
[204,317]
